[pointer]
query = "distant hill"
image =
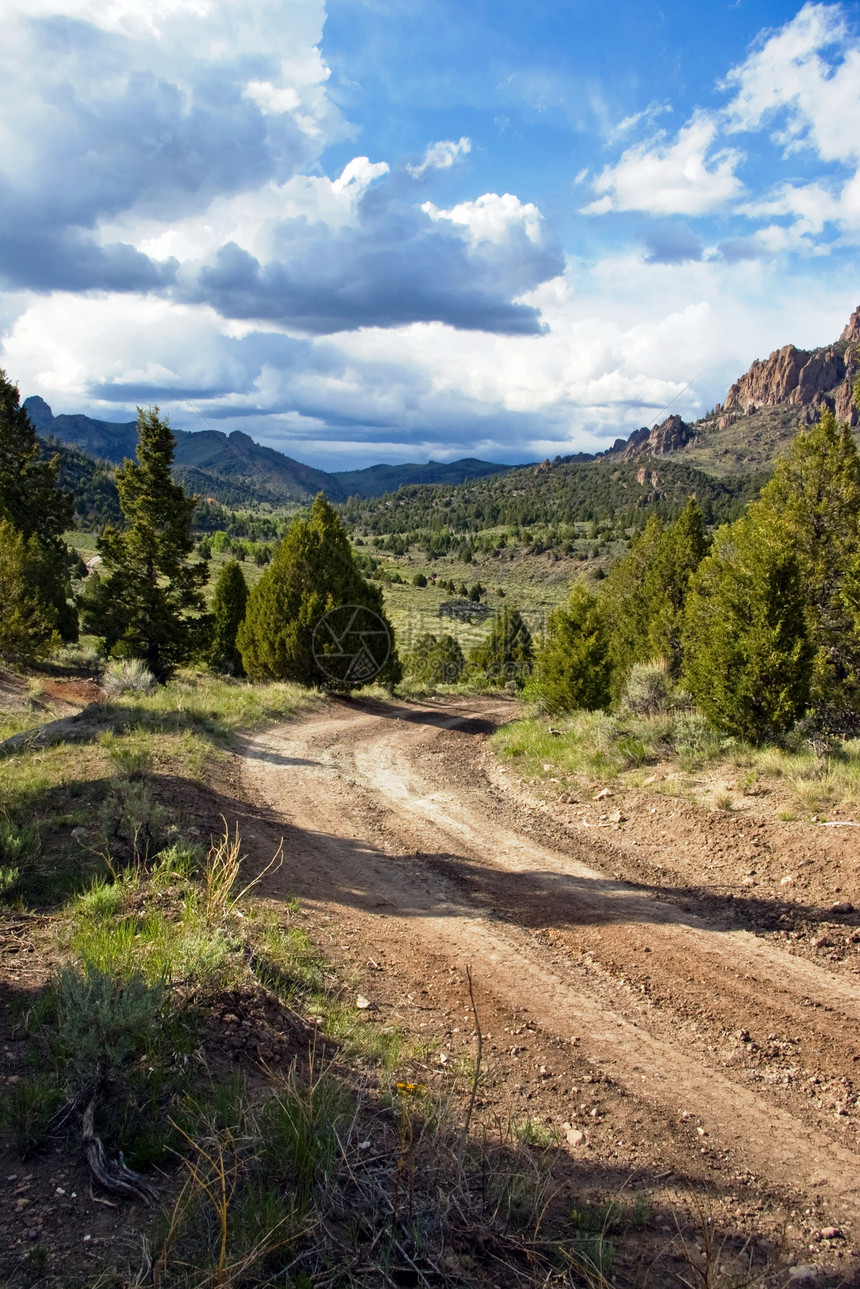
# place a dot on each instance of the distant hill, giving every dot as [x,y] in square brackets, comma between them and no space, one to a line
[378,479]
[236,471]
[605,490]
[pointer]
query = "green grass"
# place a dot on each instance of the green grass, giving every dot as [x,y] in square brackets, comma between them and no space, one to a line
[602,746]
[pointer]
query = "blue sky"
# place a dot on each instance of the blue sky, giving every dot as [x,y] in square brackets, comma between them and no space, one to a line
[370,230]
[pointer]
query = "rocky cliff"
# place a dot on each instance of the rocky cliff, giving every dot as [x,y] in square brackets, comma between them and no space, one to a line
[808,379]
[669,436]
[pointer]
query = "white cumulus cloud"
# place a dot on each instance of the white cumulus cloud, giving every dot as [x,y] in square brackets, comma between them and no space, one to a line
[690,175]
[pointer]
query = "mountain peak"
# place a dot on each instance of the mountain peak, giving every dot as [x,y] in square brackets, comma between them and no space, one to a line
[852,330]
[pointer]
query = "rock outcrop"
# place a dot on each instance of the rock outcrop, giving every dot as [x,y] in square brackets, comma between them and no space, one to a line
[809,379]
[669,436]
[851,334]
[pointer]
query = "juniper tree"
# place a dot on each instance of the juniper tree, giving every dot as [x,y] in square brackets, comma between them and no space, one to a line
[812,508]
[228,606]
[573,667]
[747,653]
[27,625]
[229,603]
[436,660]
[147,600]
[507,655]
[312,574]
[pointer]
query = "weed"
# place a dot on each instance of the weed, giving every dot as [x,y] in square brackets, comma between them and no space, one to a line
[221,873]
[28,1108]
[177,863]
[532,1133]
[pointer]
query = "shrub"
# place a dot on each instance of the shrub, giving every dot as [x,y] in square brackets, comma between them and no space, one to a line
[127,675]
[647,689]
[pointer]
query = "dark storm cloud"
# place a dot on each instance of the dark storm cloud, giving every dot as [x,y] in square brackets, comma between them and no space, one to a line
[395,266]
[128,138]
[102,139]
[68,259]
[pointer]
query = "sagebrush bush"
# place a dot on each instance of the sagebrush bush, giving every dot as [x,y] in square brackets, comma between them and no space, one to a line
[133,826]
[103,1019]
[127,675]
[647,689]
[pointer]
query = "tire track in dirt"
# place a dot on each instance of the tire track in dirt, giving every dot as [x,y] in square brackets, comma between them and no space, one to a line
[373,828]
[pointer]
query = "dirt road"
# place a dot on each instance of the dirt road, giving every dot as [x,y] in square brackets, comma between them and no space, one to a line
[665,1038]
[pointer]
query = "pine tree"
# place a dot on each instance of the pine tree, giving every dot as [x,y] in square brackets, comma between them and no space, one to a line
[148,602]
[313,573]
[39,512]
[229,603]
[573,667]
[747,653]
[507,655]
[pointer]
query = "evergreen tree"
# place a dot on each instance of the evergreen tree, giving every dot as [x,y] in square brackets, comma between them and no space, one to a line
[436,661]
[312,573]
[229,602]
[573,667]
[27,623]
[35,508]
[507,655]
[626,605]
[812,507]
[147,601]
[646,591]
[747,654]
[678,553]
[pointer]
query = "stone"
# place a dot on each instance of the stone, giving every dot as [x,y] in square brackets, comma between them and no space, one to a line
[602,794]
[572,1135]
[804,1271]
[362,1003]
[842,906]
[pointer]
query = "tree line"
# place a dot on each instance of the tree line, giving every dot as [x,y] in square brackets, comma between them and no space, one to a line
[146,598]
[759,623]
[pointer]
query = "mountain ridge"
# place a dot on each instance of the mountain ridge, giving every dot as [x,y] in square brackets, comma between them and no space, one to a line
[214,463]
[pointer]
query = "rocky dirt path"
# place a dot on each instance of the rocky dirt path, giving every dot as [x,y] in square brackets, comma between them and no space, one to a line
[720,1053]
